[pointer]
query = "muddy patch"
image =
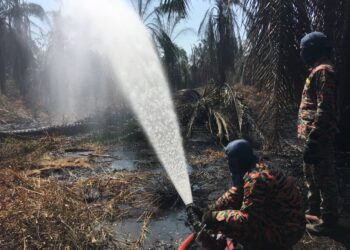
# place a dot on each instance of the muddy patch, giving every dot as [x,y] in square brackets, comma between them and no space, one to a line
[167,229]
[84,163]
[125,160]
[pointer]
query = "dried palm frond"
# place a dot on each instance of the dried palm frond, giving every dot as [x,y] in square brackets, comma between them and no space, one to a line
[273,63]
[218,104]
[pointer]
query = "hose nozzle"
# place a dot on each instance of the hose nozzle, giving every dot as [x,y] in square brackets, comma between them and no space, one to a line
[194,217]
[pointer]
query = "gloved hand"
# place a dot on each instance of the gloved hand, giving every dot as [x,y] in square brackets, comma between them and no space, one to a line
[311,153]
[195,210]
[194,215]
[209,219]
[206,239]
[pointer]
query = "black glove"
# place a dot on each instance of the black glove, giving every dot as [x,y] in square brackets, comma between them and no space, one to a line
[208,240]
[195,210]
[209,219]
[311,152]
[194,215]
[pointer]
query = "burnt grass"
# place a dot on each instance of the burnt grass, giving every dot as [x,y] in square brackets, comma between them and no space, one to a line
[49,200]
[288,159]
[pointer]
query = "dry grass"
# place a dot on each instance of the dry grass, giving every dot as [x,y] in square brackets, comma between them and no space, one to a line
[44,213]
[23,153]
[74,213]
[13,110]
[37,213]
[59,164]
[208,156]
[252,96]
[146,220]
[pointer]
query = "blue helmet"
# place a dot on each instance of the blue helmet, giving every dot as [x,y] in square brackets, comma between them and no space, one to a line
[241,159]
[314,46]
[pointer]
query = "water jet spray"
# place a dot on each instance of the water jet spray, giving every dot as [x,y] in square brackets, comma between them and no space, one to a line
[115,31]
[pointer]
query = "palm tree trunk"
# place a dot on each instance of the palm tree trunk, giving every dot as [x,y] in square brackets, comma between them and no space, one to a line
[344,88]
[2,61]
[330,18]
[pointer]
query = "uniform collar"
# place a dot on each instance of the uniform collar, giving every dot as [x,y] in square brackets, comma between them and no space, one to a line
[320,61]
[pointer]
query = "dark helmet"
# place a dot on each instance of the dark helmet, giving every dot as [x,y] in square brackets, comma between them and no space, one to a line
[241,159]
[314,46]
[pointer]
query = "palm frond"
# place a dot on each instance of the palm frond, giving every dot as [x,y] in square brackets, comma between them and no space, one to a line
[174,58]
[174,7]
[32,9]
[218,31]
[204,21]
[273,63]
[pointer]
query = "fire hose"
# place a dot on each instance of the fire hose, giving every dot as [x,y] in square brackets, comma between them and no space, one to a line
[188,241]
[203,237]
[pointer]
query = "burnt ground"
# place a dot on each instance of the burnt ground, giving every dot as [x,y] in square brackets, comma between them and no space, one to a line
[117,169]
[106,190]
[289,160]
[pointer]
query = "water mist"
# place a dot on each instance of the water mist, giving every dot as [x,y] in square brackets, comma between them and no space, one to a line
[114,31]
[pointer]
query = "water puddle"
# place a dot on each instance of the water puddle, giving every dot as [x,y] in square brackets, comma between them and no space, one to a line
[200,137]
[126,160]
[75,163]
[114,160]
[127,165]
[77,153]
[164,230]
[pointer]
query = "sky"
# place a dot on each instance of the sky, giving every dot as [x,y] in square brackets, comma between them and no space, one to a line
[186,40]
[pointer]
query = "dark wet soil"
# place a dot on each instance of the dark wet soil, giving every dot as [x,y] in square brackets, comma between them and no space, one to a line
[209,179]
[164,231]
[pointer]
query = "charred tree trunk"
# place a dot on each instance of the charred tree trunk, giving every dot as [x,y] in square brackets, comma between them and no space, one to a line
[220,51]
[2,63]
[344,88]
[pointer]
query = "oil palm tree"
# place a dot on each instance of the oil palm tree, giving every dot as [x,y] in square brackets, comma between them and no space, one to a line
[174,58]
[273,64]
[3,30]
[333,17]
[174,7]
[274,29]
[144,9]
[163,28]
[219,29]
[344,98]
[16,43]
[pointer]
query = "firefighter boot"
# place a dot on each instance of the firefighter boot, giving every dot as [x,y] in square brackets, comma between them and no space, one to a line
[326,226]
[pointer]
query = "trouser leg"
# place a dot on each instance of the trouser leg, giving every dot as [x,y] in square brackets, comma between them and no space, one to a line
[328,185]
[313,194]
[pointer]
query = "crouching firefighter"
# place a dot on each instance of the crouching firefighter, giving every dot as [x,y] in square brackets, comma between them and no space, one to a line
[262,210]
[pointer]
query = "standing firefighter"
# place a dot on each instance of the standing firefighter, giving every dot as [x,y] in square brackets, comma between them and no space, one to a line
[317,128]
[263,209]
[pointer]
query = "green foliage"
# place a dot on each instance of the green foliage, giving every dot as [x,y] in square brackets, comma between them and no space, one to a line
[174,7]
[163,21]
[216,55]
[143,8]
[174,58]
[274,29]
[16,44]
